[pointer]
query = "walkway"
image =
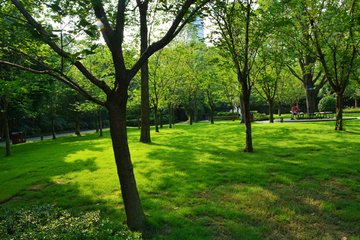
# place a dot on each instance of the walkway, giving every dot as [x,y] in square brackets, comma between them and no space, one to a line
[50,136]
[296,120]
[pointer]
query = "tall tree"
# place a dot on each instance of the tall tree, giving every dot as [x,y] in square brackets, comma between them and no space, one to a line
[243,26]
[112,25]
[334,33]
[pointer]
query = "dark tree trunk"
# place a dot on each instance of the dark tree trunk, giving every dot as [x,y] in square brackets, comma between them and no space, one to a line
[170,121]
[145,103]
[310,101]
[242,108]
[134,212]
[191,115]
[156,119]
[339,111]
[212,114]
[7,133]
[53,128]
[279,108]
[100,123]
[246,98]
[161,118]
[77,126]
[271,111]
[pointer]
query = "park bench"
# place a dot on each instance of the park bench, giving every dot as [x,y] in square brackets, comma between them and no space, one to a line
[324,114]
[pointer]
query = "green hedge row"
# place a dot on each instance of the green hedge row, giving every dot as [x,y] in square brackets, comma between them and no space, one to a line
[351,110]
[48,222]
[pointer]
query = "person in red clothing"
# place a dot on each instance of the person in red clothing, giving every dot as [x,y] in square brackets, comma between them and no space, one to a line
[294,110]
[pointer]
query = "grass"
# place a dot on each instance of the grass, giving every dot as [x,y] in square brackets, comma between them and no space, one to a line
[195,182]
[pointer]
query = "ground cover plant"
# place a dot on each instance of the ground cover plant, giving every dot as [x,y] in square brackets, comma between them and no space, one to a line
[195,182]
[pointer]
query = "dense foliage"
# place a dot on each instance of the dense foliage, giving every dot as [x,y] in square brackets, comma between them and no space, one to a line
[49,222]
[327,104]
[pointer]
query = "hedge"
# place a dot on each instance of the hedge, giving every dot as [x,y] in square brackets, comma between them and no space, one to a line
[49,222]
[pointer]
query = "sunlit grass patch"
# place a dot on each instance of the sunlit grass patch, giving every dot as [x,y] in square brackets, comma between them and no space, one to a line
[195,182]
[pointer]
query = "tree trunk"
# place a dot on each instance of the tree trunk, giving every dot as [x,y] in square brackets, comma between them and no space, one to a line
[170,121]
[53,128]
[156,119]
[279,108]
[161,118]
[134,212]
[242,109]
[246,98]
[7,133]
[310,101]
[271,111]
[212,114]
[145,103]
[100,123]
[77,126]
[339,111]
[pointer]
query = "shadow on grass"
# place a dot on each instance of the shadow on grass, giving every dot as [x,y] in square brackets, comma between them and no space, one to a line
[302,182]
[61,172]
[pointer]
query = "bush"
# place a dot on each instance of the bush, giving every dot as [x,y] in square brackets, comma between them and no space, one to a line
[48,222]
[327,104]
[225,114]
[260,116]
[351,110]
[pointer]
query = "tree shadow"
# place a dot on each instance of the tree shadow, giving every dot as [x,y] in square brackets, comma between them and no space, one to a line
[62,172]
[307,182]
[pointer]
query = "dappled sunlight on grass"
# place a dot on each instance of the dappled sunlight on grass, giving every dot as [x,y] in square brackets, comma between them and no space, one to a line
[195,182]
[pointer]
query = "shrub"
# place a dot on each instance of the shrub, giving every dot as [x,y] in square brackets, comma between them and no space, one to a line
[351,110]
[225,114]
[327,104]
[48,222]
[260,116]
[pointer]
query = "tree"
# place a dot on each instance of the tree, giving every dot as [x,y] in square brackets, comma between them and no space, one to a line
[242,27]
[334,33]
[298,36]
[273,60]
[112,25]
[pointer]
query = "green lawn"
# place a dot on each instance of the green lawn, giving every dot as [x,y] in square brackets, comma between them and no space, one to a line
[195,182]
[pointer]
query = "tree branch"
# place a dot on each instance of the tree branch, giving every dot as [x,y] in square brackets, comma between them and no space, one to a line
[295,74]
[172,32]
[50,73]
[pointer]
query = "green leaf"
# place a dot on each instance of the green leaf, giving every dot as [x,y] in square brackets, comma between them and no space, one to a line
[55,7]
[90,33]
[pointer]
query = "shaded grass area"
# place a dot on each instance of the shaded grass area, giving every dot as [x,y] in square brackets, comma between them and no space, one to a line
[195,182]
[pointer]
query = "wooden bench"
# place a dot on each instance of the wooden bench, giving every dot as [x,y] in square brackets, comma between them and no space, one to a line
[324,114]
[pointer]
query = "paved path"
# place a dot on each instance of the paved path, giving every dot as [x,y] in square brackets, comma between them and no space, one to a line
[285,120]
[50,136]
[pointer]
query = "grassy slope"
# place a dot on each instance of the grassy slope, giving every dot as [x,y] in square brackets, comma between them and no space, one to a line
[302,182]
